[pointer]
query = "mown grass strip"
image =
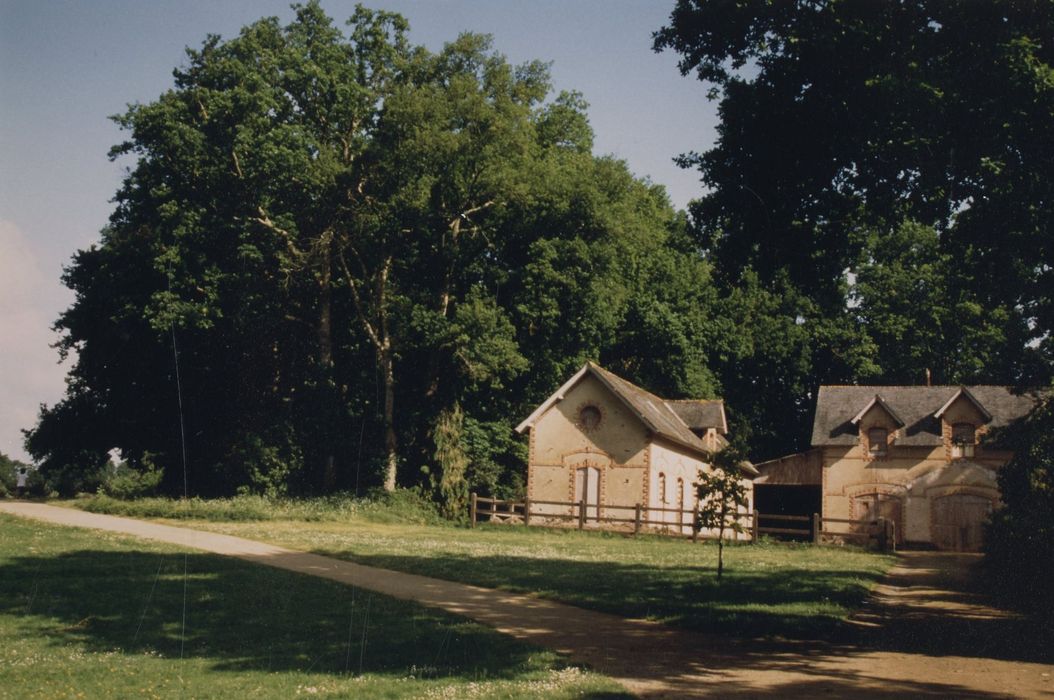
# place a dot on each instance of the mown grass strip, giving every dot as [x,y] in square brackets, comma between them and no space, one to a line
[92,614]
[770,590]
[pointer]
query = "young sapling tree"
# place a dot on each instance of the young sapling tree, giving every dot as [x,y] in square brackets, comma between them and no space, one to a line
[721,495]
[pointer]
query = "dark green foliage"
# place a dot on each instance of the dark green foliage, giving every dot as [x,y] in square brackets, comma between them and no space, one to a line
[450,457]
[124,482]
[1019,542]
[9,469]
[329,240]
[879,197]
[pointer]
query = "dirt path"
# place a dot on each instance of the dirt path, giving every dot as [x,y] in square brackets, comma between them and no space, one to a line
[904,648]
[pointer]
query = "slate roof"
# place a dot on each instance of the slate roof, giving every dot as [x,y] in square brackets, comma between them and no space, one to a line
[656,414]
[915,406]
[701,414]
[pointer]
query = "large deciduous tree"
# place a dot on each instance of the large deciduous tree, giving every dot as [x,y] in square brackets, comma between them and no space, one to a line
[886,165]
[1019,541]
[335,248]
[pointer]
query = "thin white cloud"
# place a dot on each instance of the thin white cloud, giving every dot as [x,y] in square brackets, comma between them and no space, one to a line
[31,298]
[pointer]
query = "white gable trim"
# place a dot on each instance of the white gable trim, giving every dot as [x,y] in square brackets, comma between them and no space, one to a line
[963,391]
[877,401]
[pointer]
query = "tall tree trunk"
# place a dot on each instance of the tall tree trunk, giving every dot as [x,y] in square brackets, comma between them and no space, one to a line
[391,445]
[325,349]
[379,334]
[325,310]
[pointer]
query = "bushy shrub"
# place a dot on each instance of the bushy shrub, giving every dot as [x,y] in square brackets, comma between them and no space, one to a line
[9,478]
[124,482]
[84,474]
[401,506]
[1019,542]
[263,469]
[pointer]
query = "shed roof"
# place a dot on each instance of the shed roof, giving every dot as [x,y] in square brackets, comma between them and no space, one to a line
[918,408]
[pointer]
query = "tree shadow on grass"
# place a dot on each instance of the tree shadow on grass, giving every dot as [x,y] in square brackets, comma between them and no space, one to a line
[798,604]
[240,616]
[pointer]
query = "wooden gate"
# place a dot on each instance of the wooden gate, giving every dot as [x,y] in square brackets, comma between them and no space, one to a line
[872,506]
[958,521]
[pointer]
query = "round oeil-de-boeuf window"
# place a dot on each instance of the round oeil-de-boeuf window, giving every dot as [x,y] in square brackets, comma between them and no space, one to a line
[589,417]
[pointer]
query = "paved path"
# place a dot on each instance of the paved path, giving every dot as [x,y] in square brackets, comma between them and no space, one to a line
[655,661]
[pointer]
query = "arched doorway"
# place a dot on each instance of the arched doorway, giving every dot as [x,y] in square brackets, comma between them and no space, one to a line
[587,486]
[958,521]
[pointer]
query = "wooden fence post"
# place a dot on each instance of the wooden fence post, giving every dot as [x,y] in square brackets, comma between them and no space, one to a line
[754,528]
[816,524]
[527,511]
[636,521]
[581,514]
[892,535]
[695,523]
[472,511]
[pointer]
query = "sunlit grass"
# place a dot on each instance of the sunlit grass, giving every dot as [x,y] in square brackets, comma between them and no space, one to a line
[772,589]
[91,614]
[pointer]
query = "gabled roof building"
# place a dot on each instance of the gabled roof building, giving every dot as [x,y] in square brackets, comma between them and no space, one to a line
[925,457]
[603,439]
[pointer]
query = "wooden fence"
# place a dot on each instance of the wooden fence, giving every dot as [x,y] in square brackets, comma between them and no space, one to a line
[881,533]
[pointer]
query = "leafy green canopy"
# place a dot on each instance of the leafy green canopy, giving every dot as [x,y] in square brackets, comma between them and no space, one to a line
[1019,542]
[363,258]
[883,168]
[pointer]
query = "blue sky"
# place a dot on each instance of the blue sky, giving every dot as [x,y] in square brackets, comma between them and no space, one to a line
[65,66]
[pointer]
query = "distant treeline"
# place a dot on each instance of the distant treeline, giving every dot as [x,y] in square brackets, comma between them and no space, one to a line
[342,261]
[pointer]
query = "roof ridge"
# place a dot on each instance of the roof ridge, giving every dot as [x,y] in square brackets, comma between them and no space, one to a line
[920,386]
[693,400]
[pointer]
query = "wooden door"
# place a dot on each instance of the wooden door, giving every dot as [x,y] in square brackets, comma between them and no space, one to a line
[958,521]
[587,485]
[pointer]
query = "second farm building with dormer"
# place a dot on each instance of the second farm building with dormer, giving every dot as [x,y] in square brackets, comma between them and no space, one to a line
[921,456]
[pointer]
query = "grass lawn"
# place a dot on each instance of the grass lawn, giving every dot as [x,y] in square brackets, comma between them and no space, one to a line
[796,591]
[93,614]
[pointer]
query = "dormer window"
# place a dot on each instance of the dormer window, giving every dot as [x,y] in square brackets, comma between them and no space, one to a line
[877,441]
[964,436]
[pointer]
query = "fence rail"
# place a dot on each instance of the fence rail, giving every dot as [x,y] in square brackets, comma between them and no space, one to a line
[881,532]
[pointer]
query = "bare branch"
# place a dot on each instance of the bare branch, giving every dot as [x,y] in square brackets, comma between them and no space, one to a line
[264,220]
[204,112]
[455,224]
[359,306]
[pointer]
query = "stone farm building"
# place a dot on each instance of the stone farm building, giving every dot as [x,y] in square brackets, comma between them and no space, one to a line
[920,456]
[601,438]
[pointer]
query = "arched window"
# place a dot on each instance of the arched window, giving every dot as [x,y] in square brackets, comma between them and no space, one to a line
[589,417]
[680,500]
[662,488]
[877,441]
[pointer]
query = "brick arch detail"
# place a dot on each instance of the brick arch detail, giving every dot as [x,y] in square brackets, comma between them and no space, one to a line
[856,490]
[935,492]
[588,457]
